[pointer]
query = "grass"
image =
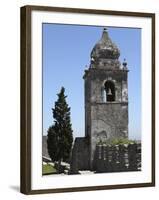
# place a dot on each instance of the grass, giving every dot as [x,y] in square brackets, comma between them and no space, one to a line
[117,141]
[48,169]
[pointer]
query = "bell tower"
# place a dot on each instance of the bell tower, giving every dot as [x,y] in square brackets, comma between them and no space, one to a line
[106,94]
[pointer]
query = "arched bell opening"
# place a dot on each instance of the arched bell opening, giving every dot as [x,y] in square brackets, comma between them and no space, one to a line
[109,90]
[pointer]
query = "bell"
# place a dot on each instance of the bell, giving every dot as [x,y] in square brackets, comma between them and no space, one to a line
[109,92]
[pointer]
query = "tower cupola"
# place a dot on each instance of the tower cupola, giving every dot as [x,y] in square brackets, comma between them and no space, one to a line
[105,53]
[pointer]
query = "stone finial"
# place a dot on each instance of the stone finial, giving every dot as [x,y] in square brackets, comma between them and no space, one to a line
[124,64]
[104,29]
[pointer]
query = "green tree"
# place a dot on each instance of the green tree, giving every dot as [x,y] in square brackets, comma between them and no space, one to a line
[60,137]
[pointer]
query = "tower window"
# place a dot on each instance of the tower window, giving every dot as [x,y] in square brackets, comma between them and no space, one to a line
[109,88]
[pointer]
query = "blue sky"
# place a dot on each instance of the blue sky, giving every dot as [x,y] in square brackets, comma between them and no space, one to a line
[66,52]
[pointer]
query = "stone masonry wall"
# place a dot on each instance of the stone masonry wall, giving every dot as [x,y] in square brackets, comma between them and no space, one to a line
[80,155]
[117,158]
[109,120]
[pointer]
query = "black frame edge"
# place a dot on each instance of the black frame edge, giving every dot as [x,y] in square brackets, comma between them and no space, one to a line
[153,99]
[25,107]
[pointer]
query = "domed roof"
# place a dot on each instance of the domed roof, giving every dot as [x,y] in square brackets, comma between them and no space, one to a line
[105,48]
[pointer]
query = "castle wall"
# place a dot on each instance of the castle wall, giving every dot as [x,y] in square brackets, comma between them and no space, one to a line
[107,158]
[80,155]
[117,158]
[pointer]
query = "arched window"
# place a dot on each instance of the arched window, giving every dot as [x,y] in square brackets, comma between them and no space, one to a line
[109,90]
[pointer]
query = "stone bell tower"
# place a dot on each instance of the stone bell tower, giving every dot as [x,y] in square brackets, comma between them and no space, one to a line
[106,95]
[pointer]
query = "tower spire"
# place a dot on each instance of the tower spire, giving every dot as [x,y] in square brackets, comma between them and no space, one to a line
[105,53]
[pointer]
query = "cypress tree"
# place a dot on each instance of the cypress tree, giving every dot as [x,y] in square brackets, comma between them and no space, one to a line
[60,137]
